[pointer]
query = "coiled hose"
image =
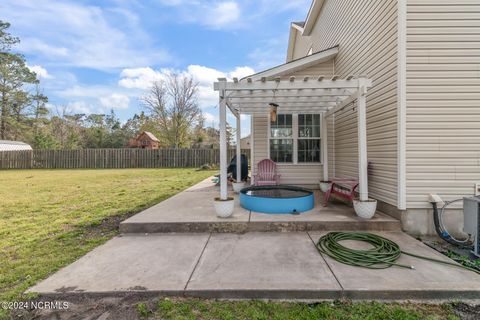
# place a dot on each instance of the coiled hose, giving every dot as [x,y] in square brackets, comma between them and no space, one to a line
[384,253]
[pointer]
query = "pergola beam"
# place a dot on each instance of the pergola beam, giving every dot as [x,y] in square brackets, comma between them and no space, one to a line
[287,100]
[293,93]
[289,85]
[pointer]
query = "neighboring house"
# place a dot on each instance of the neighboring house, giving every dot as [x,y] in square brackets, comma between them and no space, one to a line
[7,145]
[145,140]
[245,142]
[422,110]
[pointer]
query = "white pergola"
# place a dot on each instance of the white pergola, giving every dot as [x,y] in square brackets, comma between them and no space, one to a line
[322,95]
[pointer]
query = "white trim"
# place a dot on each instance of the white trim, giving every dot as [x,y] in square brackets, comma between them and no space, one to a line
[324,137]
[312,16]
[223,145]
[402,103]
[362,145]
[297,26]
[295,137]
[252,150]
[239,151]
[295,65]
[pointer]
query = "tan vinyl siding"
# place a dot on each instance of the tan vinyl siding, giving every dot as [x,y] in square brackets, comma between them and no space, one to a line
[321,69]
[366,33]
[443,99]
[302,45]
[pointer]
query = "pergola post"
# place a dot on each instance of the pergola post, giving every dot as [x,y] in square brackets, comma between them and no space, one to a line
[223,145]
[239,151]
[362,140]
[324,147]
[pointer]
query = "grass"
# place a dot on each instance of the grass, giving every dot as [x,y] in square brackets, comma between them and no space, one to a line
[50,218]
[259,310]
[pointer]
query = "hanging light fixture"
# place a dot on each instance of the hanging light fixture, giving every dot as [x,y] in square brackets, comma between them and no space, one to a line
[273,108]
[273,111]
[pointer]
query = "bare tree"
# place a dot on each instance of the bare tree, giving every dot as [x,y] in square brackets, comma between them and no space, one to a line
[174,104]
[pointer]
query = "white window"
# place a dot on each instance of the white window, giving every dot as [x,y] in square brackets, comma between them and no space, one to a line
[308,138]
[281,139]
[295,138]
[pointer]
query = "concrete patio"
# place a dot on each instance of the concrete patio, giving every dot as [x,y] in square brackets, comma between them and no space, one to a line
[192,211]
[268,265]
[201,262]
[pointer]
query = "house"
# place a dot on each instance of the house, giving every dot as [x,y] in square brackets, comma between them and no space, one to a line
[245,142]
[8,145]
[145,140]
[391,85]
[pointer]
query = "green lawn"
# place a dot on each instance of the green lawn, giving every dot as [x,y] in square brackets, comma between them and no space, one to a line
[249,310]
[49,218]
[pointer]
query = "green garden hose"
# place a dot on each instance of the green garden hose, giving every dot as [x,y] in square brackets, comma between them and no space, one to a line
[384,253]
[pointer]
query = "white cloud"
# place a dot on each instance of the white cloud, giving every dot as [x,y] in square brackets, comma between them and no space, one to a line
[139,78]
[41,72]
[213,14]
[78,107]
[223,14]
[68,33]
[29,44]
[142,78]
[115,101]
[241,72]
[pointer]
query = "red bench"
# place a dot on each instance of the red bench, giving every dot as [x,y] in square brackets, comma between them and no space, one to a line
[342,187]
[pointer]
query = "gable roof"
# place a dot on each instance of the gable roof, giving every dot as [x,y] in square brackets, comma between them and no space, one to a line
[304,28]
[150,135]
[295,65]
[312,16]
[295,27]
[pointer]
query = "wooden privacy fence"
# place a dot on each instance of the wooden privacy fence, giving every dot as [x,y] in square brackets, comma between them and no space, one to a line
[111,158]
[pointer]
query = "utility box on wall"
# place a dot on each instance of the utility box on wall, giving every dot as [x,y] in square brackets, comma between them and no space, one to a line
[471,220]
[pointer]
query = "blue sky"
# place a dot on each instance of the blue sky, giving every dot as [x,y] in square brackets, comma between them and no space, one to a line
[93,56]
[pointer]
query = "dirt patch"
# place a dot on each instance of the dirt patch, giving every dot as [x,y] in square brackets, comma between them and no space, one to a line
[106,226]
[105,308]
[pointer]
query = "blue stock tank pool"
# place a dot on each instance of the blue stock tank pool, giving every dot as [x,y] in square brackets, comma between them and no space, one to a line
[277,199]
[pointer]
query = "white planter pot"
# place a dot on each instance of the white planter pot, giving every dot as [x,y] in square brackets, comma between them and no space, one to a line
[224,208]
[365,209]
[325,185]
[237,186]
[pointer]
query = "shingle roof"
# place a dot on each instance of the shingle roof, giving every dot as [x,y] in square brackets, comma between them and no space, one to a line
[151,136]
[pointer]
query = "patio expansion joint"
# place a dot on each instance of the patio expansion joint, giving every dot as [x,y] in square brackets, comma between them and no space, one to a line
[326,262]
[196,264]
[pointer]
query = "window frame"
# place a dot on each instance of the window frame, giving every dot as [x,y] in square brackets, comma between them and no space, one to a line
[274,138]
[295,140]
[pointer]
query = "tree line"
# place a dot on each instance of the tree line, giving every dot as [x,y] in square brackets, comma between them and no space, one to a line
[171,112]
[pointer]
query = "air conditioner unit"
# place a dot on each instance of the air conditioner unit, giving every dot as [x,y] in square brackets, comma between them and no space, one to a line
[471,221]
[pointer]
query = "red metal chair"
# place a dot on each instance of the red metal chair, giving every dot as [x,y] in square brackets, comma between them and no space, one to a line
[266,173]
[342,187]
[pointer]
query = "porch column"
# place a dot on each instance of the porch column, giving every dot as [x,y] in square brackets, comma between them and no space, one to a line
[239,151]
[223,146]
[324,147]
[362,140]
